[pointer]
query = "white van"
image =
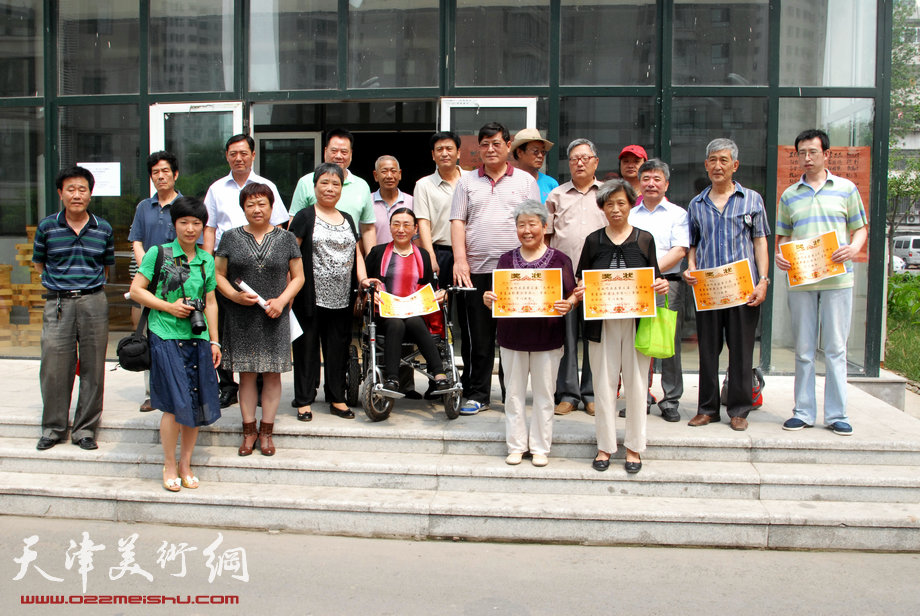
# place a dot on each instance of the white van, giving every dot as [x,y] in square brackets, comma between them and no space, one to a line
[908,248]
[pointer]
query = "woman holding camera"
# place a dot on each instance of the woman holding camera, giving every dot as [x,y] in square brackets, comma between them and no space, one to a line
[256,334]
[183,356]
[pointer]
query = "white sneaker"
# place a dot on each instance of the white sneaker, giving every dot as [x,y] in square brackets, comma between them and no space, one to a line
[540,460]
[514,458]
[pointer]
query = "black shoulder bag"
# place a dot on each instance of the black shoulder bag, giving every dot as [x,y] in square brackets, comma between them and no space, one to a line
[134,350]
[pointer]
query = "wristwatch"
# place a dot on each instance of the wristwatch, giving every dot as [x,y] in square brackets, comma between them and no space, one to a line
[762,278]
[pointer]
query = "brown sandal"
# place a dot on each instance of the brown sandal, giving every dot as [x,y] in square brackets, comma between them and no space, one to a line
[249,432]
[265,439]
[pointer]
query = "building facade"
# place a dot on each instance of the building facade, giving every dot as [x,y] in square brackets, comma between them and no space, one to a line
[111,80]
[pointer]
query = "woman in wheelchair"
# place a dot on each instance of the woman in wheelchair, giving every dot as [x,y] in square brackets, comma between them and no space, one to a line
[403,269]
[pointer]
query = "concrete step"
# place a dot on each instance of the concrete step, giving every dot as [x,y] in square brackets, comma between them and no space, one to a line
[571,518]
[481,473]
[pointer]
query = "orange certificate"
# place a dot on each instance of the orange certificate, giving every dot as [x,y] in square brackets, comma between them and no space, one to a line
[419,303]
[619,293]
[811,259]
[724,286]
[526,292]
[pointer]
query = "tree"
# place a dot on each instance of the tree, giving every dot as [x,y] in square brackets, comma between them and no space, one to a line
[904,165]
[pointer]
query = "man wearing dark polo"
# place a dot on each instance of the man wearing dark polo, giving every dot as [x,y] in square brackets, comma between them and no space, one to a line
[73,252]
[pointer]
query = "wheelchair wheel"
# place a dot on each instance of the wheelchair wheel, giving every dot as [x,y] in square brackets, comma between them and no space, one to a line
[376,407]
[352,377]
[452,405]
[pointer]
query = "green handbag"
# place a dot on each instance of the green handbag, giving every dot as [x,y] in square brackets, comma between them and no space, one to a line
[655,335]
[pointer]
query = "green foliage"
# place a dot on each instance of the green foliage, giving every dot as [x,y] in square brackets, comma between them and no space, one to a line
[905,73]
[901,353]
[904,299]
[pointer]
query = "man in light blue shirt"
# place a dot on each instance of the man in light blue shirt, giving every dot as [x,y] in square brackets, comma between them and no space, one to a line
[529,150]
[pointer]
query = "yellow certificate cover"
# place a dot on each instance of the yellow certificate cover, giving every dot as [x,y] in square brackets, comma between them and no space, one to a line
[811,259]
[526,292]
[619,293]
[419,303]
[724,286]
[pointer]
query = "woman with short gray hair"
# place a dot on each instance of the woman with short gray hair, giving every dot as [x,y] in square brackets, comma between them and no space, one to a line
[532,347]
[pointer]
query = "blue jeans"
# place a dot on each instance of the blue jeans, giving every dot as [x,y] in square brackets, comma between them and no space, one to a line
[833,308]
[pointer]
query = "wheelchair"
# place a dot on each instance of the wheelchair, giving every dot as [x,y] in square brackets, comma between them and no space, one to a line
[364,378]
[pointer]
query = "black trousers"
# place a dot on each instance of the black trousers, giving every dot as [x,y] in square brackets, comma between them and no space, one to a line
[330,330]
[412,330]
[477,341]
[735,327]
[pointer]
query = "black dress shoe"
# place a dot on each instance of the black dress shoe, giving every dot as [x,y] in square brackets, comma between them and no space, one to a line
[601,465]
[343,413]
[670,414]
[391,385]
[442,384]
[633,467]
[87,442]
[412,395]
[228,397]
[46,442]
[305,416]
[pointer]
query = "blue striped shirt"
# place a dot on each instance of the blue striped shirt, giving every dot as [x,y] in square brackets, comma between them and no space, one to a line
[724,237]
[73,262]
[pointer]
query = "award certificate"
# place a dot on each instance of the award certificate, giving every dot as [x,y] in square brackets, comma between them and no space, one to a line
[526,292]
[724,286]
[811,259]
[619,293]
[415,305]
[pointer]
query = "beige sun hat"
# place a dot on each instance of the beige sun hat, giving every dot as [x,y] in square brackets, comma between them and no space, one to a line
[526,136]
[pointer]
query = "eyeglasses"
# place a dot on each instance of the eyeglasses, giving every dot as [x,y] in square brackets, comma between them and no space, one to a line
[584,159]
[535,151]
[808,153]
[491,145]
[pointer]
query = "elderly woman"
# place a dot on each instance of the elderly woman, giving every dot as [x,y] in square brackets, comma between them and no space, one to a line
[403,270]
[257,339]
[333,264]
[611,342]
[183,379]
[532,346]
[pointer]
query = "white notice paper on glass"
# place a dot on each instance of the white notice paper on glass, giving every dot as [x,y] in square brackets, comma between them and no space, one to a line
[107,178]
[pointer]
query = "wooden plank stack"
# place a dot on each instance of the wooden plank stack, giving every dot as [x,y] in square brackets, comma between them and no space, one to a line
[28,295]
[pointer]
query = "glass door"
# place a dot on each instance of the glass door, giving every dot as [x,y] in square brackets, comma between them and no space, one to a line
[196,133]
[465,116]
[285,157]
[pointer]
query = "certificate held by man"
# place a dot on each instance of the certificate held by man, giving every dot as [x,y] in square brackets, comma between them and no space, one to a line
[619,293]
[526,292]
[724,286]
[811,259]
[419,303]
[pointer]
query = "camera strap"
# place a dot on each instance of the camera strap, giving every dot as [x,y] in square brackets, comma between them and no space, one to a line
[178,261]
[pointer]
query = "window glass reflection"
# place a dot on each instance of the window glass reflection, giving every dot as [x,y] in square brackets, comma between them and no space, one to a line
[97,47]
[503,43]
[827,43]
[293,45]
[21,53]
[722,43]
[191,46]
[393,44]
[608,42]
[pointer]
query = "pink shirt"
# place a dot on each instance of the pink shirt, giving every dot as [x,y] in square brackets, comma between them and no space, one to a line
[573,215]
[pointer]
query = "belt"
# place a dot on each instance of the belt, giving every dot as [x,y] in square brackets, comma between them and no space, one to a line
[443,247]
[72,294]
[672,277]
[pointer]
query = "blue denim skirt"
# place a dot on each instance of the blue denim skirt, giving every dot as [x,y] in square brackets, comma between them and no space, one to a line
[183,380]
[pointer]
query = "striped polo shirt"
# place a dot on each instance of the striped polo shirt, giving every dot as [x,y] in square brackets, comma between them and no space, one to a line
[486,207]
[836,206]
[73,262]
[727,236]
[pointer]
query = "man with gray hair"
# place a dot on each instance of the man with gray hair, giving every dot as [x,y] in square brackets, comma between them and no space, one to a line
[728,223]
[573,214]
[388,197]
[668,224]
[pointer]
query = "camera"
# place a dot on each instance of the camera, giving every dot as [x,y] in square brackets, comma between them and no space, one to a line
[196,316]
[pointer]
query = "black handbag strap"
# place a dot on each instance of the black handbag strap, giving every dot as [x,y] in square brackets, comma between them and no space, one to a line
[152,287]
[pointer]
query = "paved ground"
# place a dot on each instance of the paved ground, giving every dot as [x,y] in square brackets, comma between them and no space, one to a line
[301,574]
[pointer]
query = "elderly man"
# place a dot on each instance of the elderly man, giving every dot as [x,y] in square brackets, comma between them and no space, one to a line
[728,223]
[668,224]
[529,150]
[225,213]
[573,214]
[74,251]
[820,202]
[482,228]
[432,198]
[388,197]
[153,225]
[631,158]
[356,194]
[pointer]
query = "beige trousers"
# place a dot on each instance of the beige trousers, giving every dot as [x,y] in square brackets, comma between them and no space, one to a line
[542,367]
[615,353]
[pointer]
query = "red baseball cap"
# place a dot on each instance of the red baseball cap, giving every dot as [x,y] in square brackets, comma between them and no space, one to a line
[638,150]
